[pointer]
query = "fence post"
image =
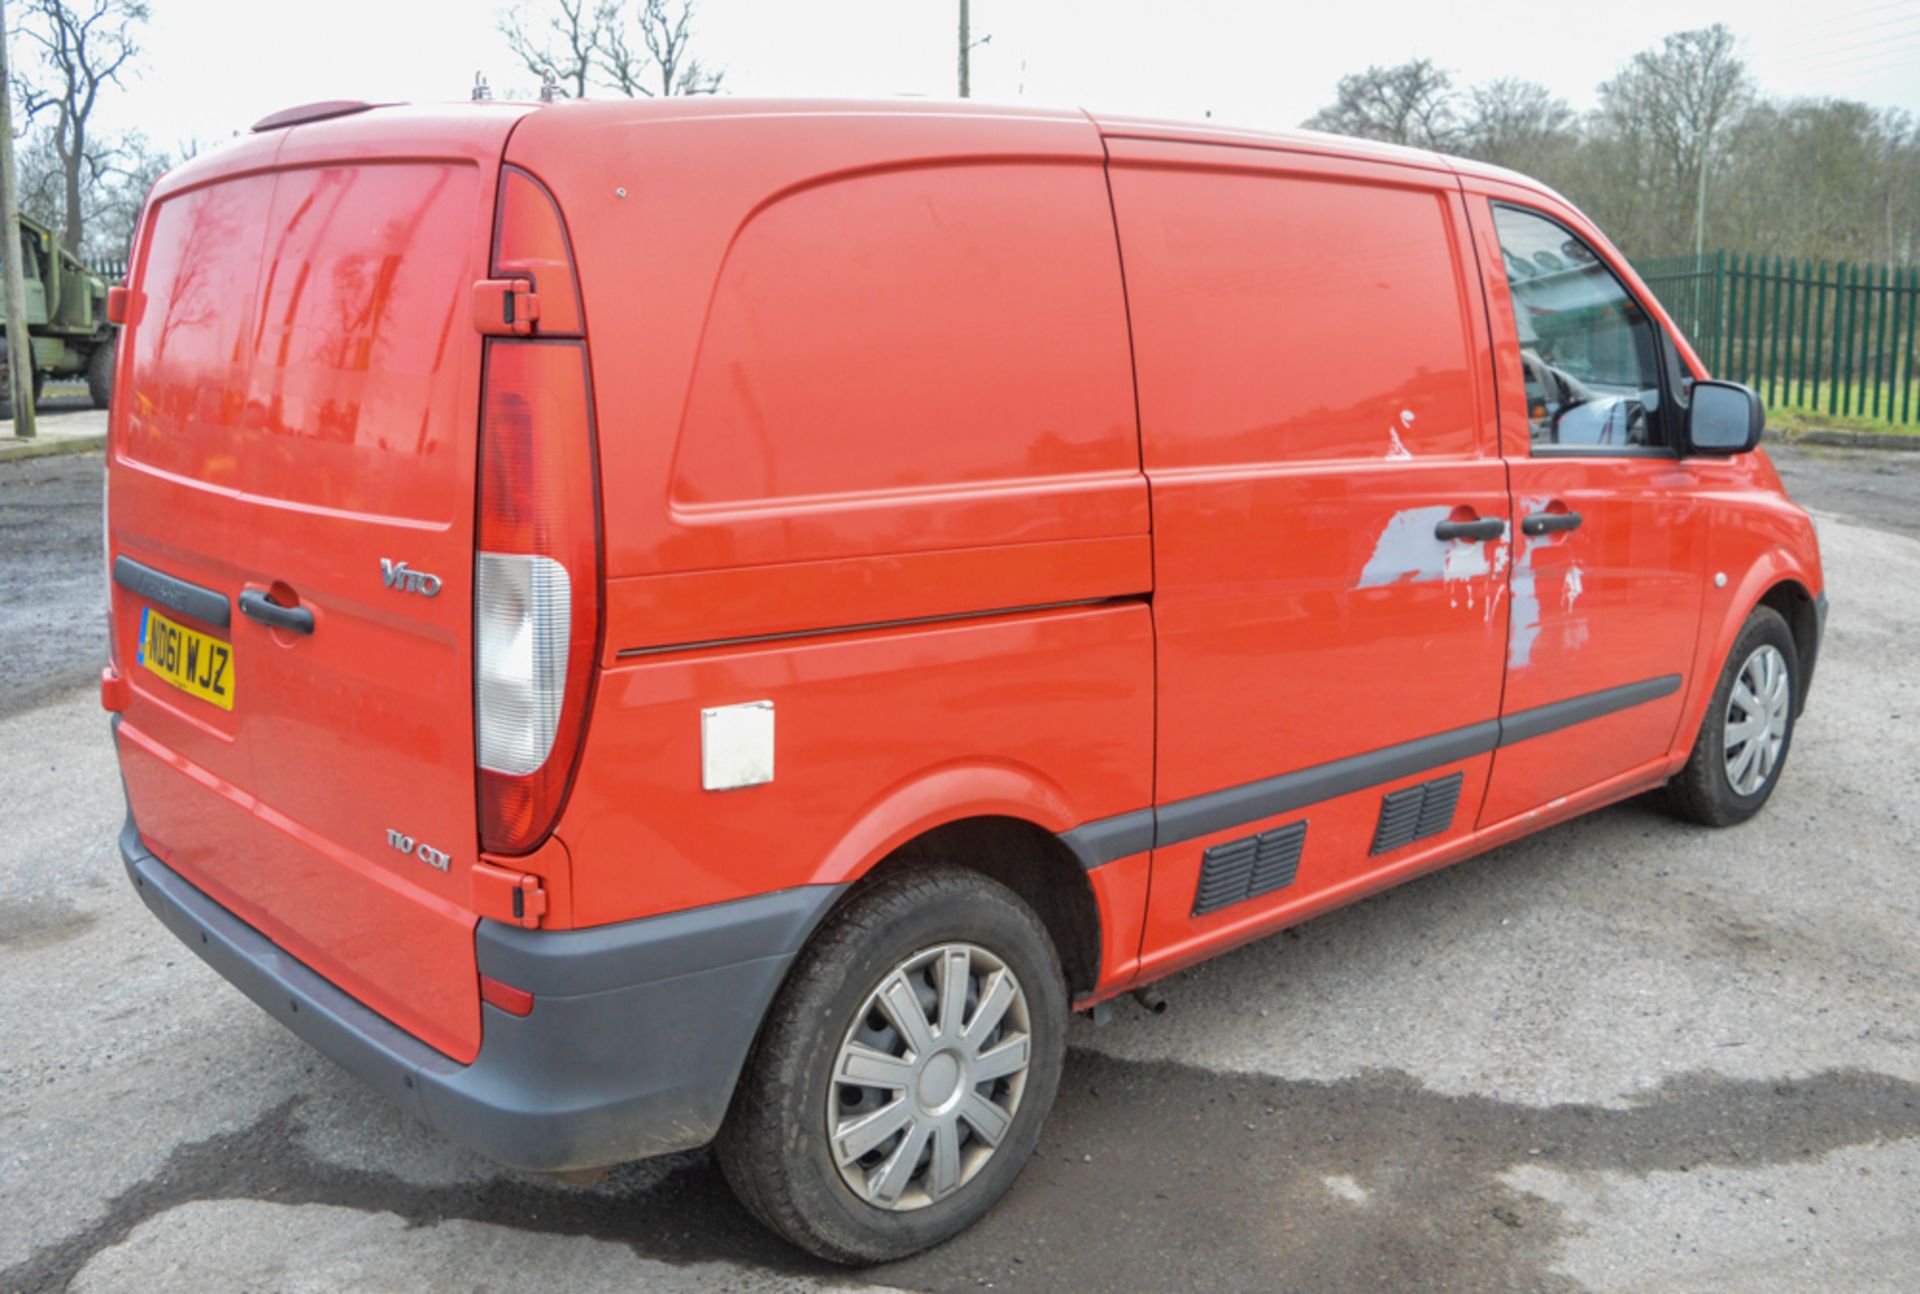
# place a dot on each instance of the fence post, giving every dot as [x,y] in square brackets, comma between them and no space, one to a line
[1913,296]
[1885,299]
[1807,293]
[1772,354]
[1858,337]
[1842,335]
[1715,351]
[1820,346]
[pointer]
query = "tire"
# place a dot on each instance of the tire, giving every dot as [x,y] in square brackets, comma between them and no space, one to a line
[100,372]
[1705,790]
[776,1148]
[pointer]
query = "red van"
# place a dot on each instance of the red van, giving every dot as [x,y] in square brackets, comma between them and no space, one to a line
[640,624]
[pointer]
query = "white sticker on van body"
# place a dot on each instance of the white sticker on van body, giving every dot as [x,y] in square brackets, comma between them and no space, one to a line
[736,746]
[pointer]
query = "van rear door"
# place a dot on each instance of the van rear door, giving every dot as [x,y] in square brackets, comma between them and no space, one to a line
[295,434]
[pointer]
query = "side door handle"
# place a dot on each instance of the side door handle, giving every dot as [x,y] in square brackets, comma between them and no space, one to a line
[1479,528]
[1546,523]
[256,605]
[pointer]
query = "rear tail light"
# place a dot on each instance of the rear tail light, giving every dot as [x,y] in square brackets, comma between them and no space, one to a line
[536,617]
[106,559]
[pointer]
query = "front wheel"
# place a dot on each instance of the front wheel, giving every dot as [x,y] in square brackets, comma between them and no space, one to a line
[1743,741]
[100,372]
[902,1077]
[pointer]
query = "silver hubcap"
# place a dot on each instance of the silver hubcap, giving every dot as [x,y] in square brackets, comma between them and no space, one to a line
[928,1078]
[1757,720]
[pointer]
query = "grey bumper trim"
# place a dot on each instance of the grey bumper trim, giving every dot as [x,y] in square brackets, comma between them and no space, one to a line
[636,1038]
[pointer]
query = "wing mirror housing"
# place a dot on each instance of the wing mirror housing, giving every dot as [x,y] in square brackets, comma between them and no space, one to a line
[1724,418]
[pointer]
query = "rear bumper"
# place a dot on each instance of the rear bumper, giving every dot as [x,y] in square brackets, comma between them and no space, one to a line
[637,1034]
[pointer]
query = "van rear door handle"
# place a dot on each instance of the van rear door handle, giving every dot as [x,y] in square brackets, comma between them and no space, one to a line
[1546,523]
[1479,528]
[256,605]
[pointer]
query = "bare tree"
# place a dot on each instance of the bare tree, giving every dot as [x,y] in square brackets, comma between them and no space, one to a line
[1517,124]
[1674,104]
[129,168]
[556,39]
[83,47]
[647,54]
[1411,103]
[117,172]
[1680,149]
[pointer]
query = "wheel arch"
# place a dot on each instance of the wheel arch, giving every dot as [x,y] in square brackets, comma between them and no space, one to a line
[1796,605]
[1027,859]
[1000,819]
[1775,578]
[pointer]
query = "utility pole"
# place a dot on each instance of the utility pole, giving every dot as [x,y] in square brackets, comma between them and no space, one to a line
[19,340]
[1700,209]
[966,47]
[967,43]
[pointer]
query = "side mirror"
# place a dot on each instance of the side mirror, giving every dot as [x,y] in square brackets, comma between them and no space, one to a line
[1724,418]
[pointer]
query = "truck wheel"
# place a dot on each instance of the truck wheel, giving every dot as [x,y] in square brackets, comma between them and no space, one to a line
[901,1079]
[1743,741]
[100,372]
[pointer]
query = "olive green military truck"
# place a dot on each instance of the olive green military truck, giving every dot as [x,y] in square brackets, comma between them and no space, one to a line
[66,316]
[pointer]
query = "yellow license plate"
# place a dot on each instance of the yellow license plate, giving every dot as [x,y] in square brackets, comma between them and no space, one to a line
[195,663]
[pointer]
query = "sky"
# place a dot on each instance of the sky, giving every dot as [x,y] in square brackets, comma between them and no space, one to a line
[212,67]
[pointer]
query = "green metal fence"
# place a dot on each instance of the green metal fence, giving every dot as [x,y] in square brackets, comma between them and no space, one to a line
[1818,337]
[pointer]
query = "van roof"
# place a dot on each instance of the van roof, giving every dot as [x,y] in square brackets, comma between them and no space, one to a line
[603,113]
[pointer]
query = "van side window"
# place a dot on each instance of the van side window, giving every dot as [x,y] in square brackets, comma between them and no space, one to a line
[1588,349]
[1291,319]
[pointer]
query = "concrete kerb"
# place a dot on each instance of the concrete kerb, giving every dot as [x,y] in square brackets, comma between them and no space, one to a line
[1847,439]
[12,448]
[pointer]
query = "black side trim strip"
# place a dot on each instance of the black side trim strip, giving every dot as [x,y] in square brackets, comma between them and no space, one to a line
[1564,714]
[175,594]
[1218,810]
[1126,834]
[1105,839]
[705,644]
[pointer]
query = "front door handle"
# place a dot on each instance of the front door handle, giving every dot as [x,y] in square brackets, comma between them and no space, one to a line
[256,605]
[1546,523]
[1479,528]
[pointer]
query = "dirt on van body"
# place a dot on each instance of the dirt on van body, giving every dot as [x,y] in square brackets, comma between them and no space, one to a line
[1625,1054]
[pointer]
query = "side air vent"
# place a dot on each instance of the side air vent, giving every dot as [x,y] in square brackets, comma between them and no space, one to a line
[1243,869]
[1416,812]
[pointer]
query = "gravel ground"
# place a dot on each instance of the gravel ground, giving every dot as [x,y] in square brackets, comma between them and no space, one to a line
[1622,1055]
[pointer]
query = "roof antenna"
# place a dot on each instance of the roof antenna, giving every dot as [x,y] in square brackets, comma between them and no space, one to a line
[481,90]
[549,88]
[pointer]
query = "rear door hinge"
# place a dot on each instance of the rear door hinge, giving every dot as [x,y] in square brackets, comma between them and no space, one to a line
[505,307]
[513,898]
